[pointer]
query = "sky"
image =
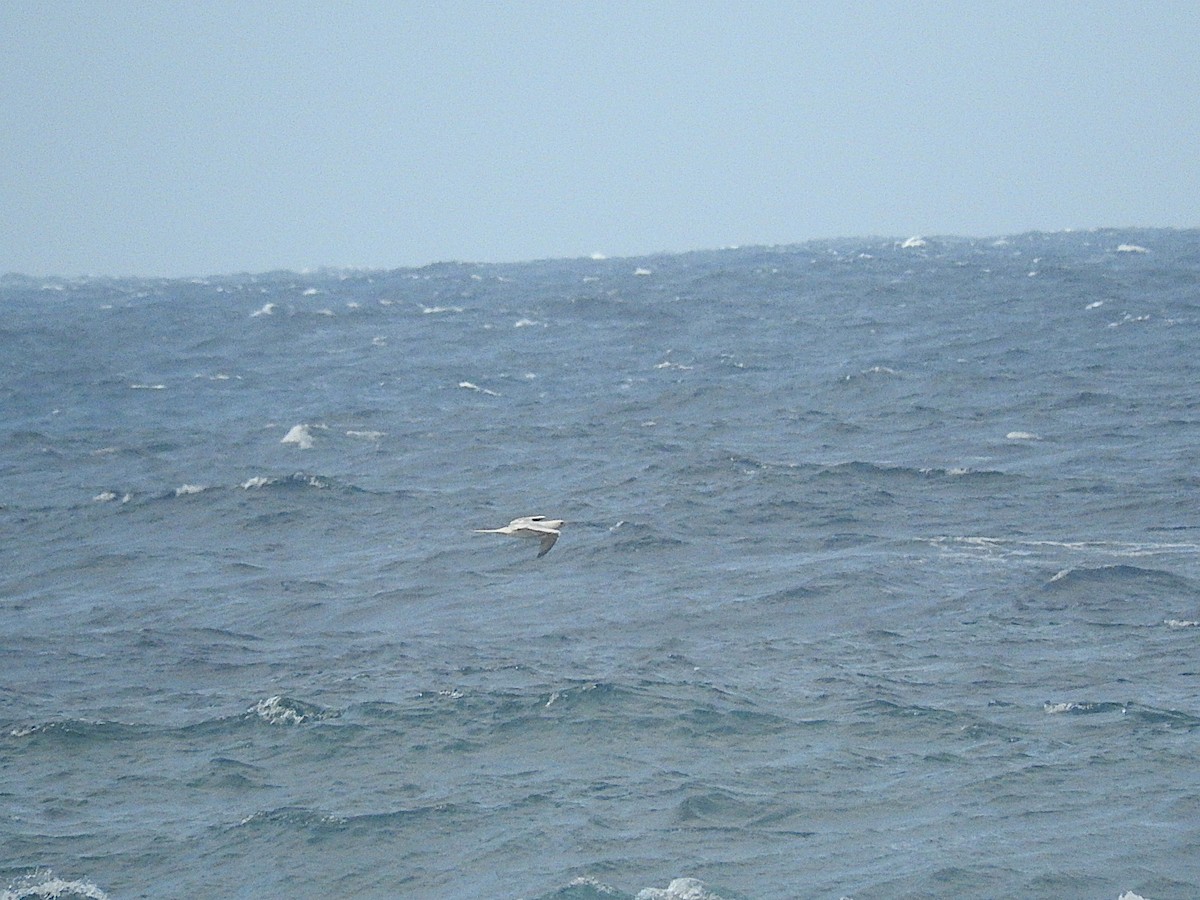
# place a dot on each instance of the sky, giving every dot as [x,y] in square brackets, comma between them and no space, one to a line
[225,136]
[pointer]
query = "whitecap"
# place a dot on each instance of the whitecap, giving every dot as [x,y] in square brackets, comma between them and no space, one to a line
[44,885]
[598,887]
[278,711]
[311,292]
[434,310]
[1131,248]
[1072,706]
[1057,708]
[367,435]
[1022,436]
[184,489]
[1095,304]
[256,482]
[643,272]
[267,309]
[1181,623]
[913,242]
[110,496]
[679,889]
[300,436]
[471,386]
[148,387]
[1127,319]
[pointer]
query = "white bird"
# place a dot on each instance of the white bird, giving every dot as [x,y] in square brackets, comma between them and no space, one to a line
[545,530]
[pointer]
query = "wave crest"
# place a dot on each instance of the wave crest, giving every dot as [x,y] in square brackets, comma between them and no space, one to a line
[280,710]
[45,885]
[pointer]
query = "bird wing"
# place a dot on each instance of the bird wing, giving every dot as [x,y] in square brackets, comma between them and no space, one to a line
[526,521]
[548,538]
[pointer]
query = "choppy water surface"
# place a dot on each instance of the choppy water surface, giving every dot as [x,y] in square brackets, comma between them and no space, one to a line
[881,577]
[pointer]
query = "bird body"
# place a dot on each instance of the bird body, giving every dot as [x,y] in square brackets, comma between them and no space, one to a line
[545,530]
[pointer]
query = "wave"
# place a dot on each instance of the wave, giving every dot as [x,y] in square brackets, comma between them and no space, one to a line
[871,471]
[638,537]
[223,773]
[291,819]
[1115,594]
[296,481]
[1113,548]
[1121,578]
[300,435]
[922,473]
[280,710]
[888,709]
[1082,708]
[682,889]
[273,710]
[647,706]
[45,885]
[74,731]
[1136,713]
[588,888]
[585,888]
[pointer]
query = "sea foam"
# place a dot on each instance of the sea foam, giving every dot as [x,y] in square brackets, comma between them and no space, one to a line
[300,435]
[44,885]
[679,889]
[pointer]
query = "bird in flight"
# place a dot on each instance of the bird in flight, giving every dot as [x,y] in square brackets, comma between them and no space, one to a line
[545,530]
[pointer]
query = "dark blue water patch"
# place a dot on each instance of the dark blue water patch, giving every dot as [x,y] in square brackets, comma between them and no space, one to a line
[1168,719]
[225,774]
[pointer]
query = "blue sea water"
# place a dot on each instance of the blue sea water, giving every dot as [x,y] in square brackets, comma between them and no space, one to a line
[880,578]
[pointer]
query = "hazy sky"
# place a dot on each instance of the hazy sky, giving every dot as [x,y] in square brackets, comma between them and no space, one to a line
[212,136]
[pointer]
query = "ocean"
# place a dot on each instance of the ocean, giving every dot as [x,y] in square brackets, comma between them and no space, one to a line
[880,576]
